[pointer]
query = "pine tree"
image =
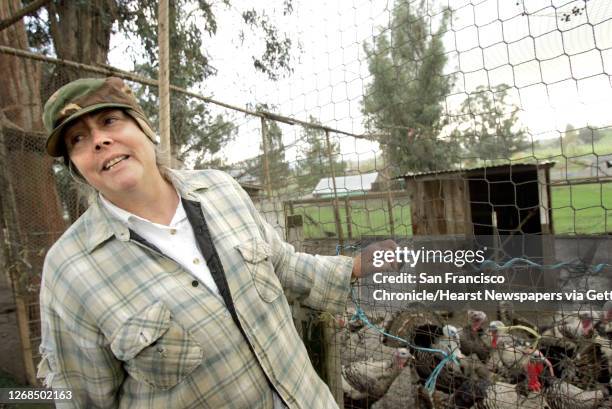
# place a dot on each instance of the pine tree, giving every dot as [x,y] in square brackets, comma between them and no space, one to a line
[313,163]
[404,101]
[489,127]
[277,164]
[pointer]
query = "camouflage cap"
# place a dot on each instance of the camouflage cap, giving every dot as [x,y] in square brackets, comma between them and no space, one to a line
[84,96]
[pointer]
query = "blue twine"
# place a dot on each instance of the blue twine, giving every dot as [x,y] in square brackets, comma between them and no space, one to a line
[513,261]
[510,263]
[430,383]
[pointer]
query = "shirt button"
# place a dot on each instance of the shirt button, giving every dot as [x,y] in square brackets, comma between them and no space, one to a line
[196,261]
[195,283]
[173,231]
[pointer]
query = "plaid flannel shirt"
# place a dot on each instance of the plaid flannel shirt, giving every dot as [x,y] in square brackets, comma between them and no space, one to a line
[122,325]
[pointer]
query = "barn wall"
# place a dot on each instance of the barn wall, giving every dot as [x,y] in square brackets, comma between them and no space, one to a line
[439,207]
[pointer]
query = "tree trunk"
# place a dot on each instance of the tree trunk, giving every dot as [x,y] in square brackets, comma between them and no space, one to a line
[31,217]
[81,32]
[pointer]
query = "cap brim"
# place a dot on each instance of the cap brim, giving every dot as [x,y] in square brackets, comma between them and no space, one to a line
[55,144]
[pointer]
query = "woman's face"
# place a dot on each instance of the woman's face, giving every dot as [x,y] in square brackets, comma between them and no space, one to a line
[111,152]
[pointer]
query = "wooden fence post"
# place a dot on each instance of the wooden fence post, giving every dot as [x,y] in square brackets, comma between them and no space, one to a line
[266,163]
[332,172]
[349,219]
[164,79]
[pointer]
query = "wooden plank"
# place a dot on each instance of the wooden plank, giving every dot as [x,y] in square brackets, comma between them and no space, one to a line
[24,336]
[390,209]
[413,189]
[452,206]
[468,226]
[544,200]
[437,222]
[580,181]
[349,219]
[333,366]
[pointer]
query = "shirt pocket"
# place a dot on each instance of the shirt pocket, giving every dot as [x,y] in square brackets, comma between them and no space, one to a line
[256,253]
[156,349]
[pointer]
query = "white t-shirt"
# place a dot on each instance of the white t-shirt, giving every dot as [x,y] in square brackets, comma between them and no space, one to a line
[176,240]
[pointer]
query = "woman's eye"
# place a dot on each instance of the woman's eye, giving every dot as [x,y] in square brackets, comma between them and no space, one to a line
[76,139]
[109,120]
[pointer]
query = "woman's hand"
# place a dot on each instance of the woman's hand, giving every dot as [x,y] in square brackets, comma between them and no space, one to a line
[363,263]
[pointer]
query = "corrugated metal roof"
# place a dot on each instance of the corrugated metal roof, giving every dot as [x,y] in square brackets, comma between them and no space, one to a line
[346,184]
[544,164]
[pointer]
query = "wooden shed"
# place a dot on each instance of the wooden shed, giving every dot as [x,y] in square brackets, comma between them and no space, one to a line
[502,199]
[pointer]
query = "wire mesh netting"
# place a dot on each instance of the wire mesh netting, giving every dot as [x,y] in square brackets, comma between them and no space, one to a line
[413,120]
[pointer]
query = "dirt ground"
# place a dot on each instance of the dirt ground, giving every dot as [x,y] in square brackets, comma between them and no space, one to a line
[11,360]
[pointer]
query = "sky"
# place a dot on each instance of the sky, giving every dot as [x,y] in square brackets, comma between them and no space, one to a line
[559,70]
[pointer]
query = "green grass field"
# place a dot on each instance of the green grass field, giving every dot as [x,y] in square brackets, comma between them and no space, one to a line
[368,218]
[582,208]
[579,209]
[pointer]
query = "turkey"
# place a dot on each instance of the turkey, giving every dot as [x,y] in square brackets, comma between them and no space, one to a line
[371,379]
[362,345]
[405,392]
[507,315]
[590,367]
[498,337]
[466,396]
[445,339]
[410,325]
[572,325]
[563,395]
[500,395]
[482,394]
[360,341]
[504,395]
[604,325]
[560,341]
[513,362]
[472,336]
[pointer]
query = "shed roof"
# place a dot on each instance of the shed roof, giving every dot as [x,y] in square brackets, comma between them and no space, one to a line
[478,170]
[346,185]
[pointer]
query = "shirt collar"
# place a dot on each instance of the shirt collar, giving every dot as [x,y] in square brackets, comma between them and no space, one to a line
[129,218]
[101,225]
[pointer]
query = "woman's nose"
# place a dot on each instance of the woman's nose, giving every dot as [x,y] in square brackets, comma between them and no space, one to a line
[101,139]
[99,144]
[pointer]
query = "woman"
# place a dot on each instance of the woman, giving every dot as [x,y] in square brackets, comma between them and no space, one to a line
[170,291]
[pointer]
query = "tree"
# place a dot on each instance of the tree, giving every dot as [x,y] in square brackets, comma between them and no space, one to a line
[488,126]
[404,100]
[589,134]
[314,162]
[195,132]
[29,203]
[278,166]
[570,134]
